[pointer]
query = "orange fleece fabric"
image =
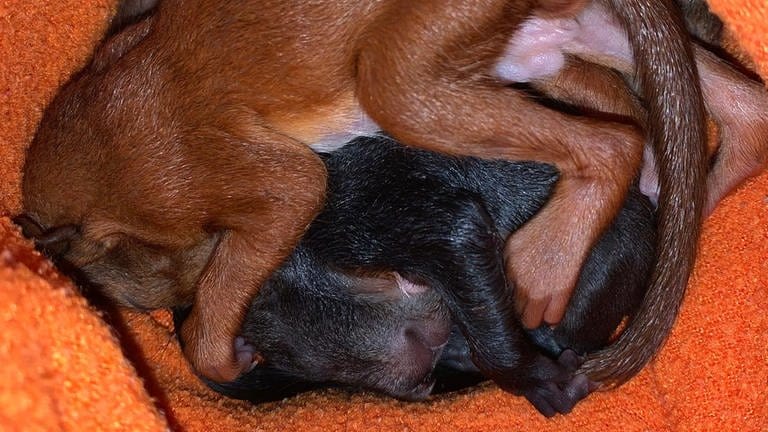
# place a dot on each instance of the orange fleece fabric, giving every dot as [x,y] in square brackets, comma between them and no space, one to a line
[63,368]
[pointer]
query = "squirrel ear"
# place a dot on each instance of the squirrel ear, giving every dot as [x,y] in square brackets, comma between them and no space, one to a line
[388,285]
[116,46]
[130,12]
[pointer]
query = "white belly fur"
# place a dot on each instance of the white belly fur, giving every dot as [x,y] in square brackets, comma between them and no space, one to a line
[362,125]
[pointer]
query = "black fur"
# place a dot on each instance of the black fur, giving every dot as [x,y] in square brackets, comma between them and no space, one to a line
[334,314]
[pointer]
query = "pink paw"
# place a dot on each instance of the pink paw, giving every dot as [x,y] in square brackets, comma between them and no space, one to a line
[536,49]
[246,355]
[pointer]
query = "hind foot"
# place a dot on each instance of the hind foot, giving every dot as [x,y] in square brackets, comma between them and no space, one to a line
[561,395]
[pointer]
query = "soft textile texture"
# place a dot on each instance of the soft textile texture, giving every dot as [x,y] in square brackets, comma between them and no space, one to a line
[64,369]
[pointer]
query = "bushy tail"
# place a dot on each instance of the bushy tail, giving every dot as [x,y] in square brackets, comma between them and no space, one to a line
[666,71]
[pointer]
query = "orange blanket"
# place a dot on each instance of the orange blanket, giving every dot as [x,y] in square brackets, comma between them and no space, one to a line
[62,368]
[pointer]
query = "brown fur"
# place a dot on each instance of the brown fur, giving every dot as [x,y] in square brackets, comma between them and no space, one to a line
[560,8]
[736,103]
[230,94]
[739,105]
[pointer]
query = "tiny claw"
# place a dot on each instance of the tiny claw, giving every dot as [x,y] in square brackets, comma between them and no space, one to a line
[247,357]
